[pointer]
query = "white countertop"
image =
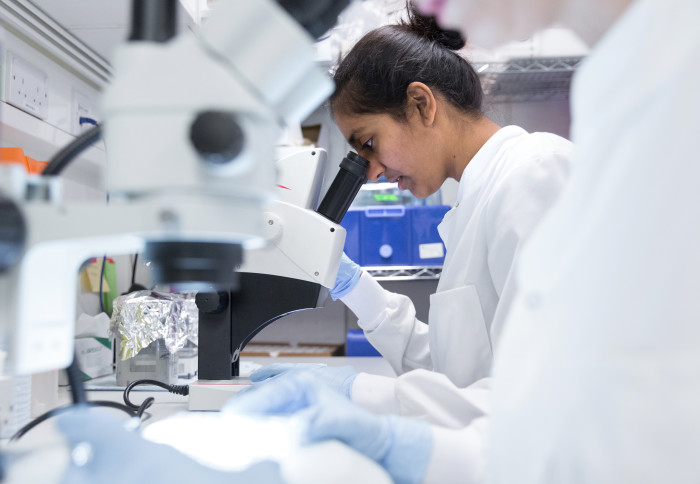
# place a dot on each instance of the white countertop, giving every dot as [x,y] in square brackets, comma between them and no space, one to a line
[319,463]
[167,404]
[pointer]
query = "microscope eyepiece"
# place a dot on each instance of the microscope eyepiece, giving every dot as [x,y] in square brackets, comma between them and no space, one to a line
[352,175]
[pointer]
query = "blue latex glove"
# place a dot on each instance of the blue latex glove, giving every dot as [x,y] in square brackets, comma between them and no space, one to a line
[402,446]
[104,451]
[339,378]
[348,275]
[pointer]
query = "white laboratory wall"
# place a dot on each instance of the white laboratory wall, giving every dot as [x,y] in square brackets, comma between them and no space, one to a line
[42,138]
[36,39]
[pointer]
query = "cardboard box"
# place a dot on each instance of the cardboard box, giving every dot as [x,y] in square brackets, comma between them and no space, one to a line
[302,349]
[95,358]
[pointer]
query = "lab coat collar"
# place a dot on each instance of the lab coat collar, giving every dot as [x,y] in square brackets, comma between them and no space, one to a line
[480,162]
[474,170]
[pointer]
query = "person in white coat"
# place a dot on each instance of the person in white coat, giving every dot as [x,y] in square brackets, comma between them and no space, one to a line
[410,105]
[597,377]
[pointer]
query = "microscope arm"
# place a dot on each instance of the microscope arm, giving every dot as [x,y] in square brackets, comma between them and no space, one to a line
[301,245]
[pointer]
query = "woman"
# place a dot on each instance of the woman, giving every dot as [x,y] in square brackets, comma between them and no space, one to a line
[407,102]
[412,106]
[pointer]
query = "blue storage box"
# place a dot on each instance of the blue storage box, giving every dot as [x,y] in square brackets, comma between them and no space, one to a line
[357,344]
[386,236]
[427,248]
[351,224]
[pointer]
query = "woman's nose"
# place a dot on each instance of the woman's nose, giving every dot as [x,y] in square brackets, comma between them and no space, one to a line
[375,170]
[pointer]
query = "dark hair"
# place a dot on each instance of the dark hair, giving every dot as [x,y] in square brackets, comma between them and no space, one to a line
[374,75]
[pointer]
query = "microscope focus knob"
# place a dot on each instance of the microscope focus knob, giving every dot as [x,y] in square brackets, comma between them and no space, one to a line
[13,234]
[217,137]
[212,302]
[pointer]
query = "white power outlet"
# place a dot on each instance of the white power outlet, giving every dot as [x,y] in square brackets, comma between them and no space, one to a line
[27,86]
[84,114]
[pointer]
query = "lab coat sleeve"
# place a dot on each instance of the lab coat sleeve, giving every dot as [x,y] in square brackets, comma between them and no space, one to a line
[459,418]
[515,211]
[424,395]
[389,322]
[458,455]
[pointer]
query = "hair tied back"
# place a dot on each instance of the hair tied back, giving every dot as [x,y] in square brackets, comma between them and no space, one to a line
[427,27]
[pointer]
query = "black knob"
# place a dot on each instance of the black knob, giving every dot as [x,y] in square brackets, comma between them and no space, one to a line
[13,234]
[217,137]
[211,302]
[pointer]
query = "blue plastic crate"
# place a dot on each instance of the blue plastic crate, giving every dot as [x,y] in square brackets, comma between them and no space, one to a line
[386,236]
[427,248]
[351,224]
[358,345]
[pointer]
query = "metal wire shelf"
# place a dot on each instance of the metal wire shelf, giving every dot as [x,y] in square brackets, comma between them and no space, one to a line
[404,273]
[532,79]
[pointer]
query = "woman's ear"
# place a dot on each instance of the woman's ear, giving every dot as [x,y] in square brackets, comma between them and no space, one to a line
[420,100]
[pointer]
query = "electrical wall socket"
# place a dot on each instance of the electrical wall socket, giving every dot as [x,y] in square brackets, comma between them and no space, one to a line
[83,109]
[27,86]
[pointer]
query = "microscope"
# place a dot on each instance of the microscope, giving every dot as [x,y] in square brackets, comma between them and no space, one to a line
[190,125]
[300,259]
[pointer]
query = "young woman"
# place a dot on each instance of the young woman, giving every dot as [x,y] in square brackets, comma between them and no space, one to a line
[411,105]
[407,102]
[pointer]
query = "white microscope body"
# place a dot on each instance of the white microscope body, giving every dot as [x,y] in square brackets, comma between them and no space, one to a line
[252,66]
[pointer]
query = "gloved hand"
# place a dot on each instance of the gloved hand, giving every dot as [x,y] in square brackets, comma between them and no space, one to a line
[104,451]
[400,445]
[340,378]
[348,275]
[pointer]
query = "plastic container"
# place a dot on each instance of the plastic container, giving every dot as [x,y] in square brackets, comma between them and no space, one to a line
[16,156]
[13,156]
[386,236]
[351,224]
[427,248]
[358,345]
[153,362]
[383,193]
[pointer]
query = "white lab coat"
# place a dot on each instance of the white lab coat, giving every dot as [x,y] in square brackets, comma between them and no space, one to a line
[597,379]
[504,191]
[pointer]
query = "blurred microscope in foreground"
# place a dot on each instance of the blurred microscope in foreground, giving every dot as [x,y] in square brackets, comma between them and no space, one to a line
[190,125]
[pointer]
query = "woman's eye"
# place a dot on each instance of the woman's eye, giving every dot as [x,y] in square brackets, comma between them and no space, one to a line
[367,145]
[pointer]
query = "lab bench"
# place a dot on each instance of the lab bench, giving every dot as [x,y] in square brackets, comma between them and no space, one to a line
[167,404]
[43,454]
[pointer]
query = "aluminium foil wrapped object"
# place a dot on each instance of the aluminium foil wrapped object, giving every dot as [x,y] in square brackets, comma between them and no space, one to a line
[141,317]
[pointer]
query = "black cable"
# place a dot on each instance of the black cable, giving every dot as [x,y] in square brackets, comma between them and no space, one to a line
[146,404]
[183,390]
[134,286]
[58,410]
[133,269]
[75,380]
[131,409]
[102,276]
[61,159]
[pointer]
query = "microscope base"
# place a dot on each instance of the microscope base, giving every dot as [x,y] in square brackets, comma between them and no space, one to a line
[211,395]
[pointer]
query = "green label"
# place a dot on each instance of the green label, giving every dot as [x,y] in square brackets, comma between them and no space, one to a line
[386,197]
